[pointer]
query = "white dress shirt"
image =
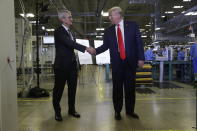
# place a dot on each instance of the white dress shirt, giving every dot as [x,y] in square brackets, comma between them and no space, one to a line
[121,23]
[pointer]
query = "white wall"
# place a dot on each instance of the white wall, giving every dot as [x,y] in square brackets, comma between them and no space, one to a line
[8,93]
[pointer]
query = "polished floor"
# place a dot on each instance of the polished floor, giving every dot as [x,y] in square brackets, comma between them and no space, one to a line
[165,109]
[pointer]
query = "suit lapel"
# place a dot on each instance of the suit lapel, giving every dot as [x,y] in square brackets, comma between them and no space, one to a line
[66,33]
[114,38]
[64,30]
[126,29]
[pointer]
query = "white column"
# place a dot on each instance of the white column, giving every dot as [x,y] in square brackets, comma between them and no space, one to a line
[8,89]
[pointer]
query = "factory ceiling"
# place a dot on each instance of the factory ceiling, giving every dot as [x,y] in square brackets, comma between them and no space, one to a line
[87,15]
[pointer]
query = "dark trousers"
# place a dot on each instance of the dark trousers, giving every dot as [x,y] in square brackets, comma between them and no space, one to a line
[61,77]
[124,76]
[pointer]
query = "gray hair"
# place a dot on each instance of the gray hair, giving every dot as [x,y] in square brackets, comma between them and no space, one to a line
[61,14]
[116,9]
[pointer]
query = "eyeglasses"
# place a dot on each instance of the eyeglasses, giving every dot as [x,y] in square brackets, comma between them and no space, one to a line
[69,17]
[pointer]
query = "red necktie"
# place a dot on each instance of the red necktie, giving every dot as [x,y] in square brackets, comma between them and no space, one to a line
[121,43]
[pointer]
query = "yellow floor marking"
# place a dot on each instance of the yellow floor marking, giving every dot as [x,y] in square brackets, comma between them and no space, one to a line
[187,98]
[33,99]
[109,99]
[165,130]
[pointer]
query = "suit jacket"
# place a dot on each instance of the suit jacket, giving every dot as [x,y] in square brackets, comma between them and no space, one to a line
[133,45]
[65,56]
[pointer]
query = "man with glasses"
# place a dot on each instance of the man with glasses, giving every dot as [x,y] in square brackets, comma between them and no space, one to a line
[65,65]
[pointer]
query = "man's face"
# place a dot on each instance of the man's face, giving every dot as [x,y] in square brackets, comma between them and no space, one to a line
[115,17]
[67,19]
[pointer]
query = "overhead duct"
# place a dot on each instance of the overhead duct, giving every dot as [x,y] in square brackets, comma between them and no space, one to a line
[181,21]
[142,1]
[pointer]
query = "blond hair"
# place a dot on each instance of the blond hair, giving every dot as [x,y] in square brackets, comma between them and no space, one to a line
[115,9]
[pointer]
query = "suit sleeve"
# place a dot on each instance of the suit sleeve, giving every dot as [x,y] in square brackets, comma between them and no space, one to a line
[103,47]
[67,42]
[140,45]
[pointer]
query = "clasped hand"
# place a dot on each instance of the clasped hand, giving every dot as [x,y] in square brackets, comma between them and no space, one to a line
[91,50]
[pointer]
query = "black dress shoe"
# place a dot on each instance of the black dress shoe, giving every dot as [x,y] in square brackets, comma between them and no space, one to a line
[74,114]
[133,115]
[118,116]
[58,117]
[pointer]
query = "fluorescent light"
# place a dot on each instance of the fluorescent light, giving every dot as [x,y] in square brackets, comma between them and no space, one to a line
[104,13]
[155,42]
[169,12]
[32,22]
[195,13]
[157,28]
[100,29]
[142,30]
[43,28]
[30,15]
[147,25]
[144,36]
[22,15]
[98,36]
[186,0]
[191,13]
[27,15]
[183,12]
[50,30]
[163,16]
[177,7]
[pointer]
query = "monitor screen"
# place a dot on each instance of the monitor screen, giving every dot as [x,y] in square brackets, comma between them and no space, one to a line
[48,40]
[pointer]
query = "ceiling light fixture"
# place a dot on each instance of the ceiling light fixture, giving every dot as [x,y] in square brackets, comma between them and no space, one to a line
[157,28]
[49,30]
[169,12]
[142,30]
[43,28]
[31,15]
[104,13]
[100,29]
[33,22]
[191,13]
[177,7]
[186,0]
[98,36]
[155,42]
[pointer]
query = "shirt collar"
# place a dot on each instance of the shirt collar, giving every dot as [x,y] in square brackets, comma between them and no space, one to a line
[121,23]
[66,28]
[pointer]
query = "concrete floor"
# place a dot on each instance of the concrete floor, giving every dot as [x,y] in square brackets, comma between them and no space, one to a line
[167,109]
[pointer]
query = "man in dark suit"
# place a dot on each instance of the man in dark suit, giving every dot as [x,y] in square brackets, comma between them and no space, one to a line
[65,65]
[124,42]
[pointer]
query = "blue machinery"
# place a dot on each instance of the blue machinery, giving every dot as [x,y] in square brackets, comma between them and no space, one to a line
[179,70]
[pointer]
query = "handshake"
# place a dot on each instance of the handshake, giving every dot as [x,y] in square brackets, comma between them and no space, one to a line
[91,50]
